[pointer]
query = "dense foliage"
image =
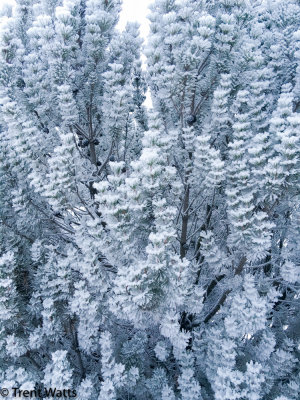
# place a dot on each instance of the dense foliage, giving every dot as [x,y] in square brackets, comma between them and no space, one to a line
[151,254]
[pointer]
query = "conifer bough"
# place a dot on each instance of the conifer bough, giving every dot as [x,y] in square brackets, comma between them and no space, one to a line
[150,253]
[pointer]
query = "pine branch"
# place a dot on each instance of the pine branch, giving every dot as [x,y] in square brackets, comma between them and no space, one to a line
[224,296]
[16,231]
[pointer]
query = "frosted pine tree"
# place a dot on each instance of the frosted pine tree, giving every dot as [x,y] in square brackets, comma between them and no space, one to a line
[150,254]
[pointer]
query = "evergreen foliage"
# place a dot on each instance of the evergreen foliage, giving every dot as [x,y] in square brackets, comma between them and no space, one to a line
[150,253]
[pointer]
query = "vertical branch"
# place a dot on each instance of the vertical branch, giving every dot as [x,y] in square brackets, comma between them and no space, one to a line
[76,348]
[199,256]
[91,136]
[185,220]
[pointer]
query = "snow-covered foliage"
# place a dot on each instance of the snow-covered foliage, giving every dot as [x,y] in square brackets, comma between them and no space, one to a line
[150,254]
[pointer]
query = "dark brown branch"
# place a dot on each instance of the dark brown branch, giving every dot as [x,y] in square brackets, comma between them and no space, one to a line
[185,220]
[217,306]
[224,296]
[14,229]
[107,158]
[74,335]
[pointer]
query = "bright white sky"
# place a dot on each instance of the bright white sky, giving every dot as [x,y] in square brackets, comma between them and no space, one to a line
[135,10]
